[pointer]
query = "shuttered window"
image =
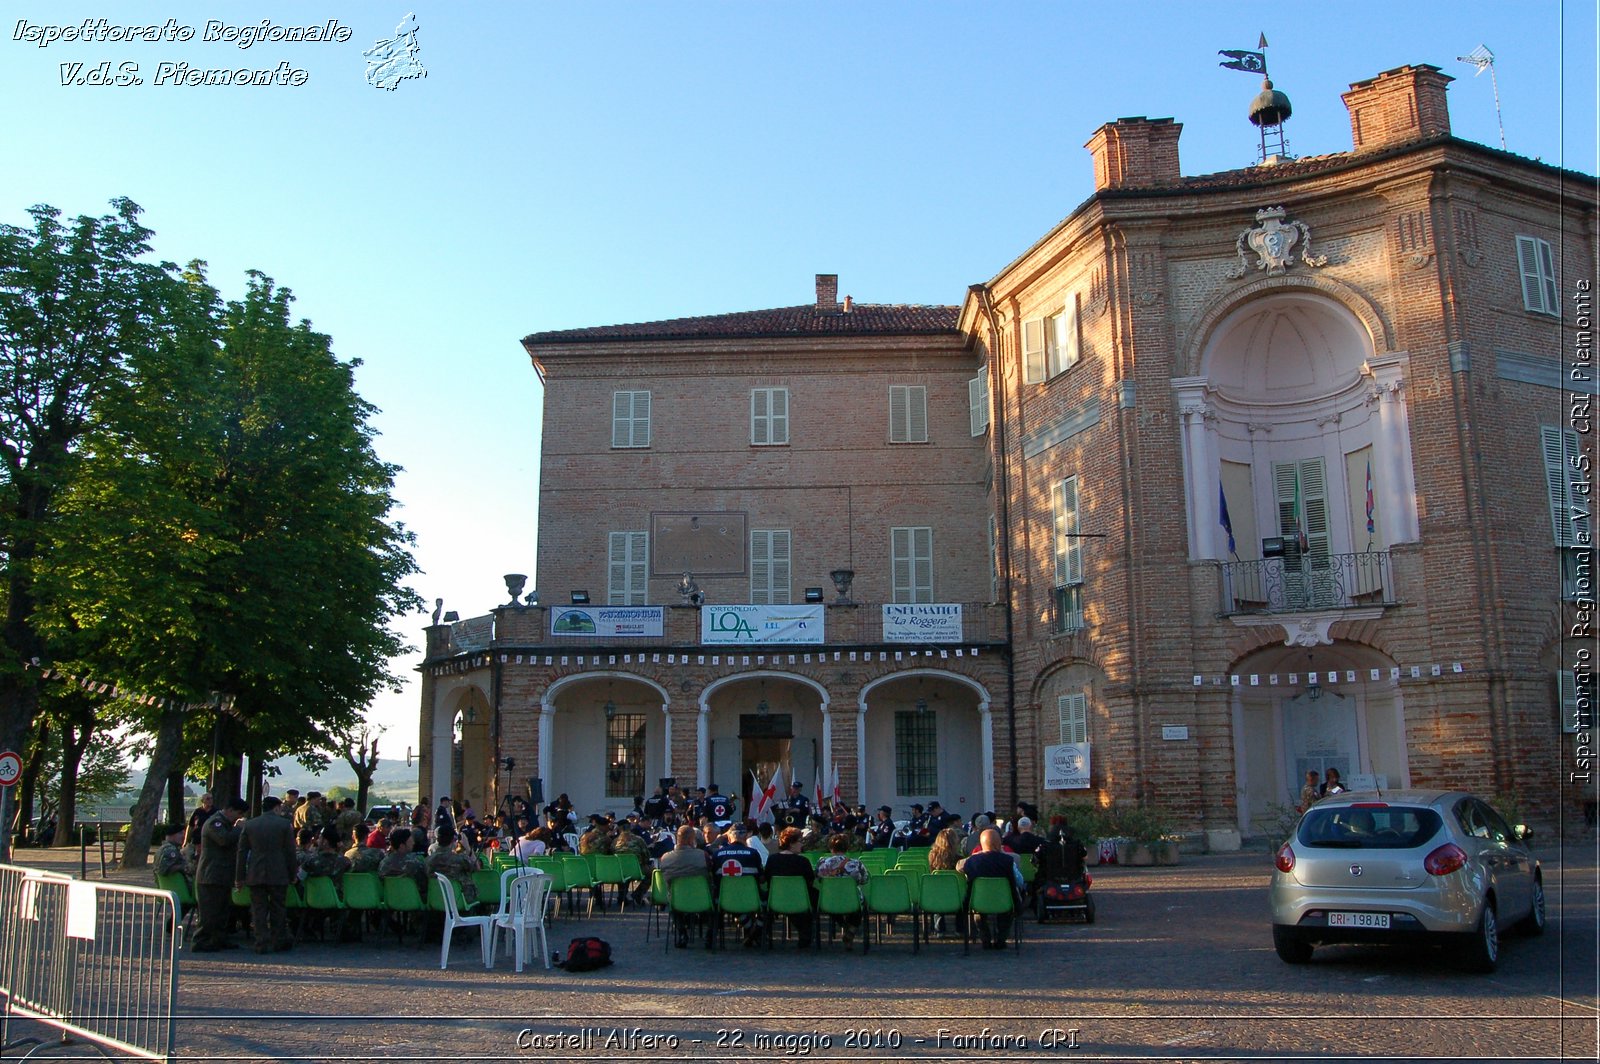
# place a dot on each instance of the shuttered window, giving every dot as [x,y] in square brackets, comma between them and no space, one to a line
[1302,496]
[911,562]
[1073,713]
[908,413]
[626,585]
[630,419]
[1569,517]
[1050,345]
[978,403]
[769,416]
[1537,264]
[1068,547]
[769,566]
[1033,351]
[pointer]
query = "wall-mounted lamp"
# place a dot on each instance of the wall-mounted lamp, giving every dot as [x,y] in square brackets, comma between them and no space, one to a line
[1313,688]
[763,708]
[580,596]
[813,594]
[472,714]
[922,707]
[610,709]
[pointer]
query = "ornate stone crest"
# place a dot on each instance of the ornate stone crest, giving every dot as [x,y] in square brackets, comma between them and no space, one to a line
[1276,243]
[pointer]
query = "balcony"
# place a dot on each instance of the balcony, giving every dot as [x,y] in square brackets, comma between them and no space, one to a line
[1307,583]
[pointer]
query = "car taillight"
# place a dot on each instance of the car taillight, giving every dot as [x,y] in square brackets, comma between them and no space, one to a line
[1446,859]
[1285,858]
[1088,880]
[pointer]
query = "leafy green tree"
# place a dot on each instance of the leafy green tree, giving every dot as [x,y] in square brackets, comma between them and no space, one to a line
[78,306]
[229,535]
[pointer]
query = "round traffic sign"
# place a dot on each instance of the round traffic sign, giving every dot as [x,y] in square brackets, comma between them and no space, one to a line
[10,768]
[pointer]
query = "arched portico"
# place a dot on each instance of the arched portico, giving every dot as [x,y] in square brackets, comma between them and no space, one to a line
[604,739]
[924,734]
[760,720]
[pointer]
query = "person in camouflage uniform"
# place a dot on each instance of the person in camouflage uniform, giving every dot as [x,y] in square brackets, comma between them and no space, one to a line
[362,856]
[400,861]
[325,860]
[172,857]
[455,862]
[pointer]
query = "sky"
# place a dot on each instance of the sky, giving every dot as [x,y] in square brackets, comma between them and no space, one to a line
[573,164]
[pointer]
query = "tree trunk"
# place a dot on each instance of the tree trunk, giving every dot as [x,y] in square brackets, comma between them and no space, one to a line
[75,734]
[225,785]
[176,814]
[169,741]
[28,785]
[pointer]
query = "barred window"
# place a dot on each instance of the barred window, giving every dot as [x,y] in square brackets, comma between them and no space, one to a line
[916,752]
[625,755]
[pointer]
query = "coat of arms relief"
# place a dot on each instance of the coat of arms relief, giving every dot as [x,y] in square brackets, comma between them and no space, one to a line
[1276,243]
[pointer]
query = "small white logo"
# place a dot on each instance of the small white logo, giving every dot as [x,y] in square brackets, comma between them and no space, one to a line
[395,60]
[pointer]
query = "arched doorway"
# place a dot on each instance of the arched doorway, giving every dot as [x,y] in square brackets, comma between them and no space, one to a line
[926,734]
[754,723]
[1283,725]
[603,741]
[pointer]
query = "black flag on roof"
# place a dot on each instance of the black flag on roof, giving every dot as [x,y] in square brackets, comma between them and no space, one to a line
[1251,62]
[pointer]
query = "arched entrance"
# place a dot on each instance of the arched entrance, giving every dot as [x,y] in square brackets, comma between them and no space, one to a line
[1347,720]
[603,740]
[757,722]
[926,734]
[463,748]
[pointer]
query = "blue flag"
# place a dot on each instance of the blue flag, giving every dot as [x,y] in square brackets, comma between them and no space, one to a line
[1224,519]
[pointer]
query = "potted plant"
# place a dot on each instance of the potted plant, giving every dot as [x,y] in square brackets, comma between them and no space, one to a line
[1089,822]
[1147,837]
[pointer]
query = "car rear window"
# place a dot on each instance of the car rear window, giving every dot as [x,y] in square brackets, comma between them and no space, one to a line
[1388,827]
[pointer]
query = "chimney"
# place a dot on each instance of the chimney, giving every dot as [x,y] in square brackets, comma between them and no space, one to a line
[1136,153]
[828,293]
[849,304]
[1406,103]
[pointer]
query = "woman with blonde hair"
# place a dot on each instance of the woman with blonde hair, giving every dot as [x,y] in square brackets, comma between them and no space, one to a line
[946,850]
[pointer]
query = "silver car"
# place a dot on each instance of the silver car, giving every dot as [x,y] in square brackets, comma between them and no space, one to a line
[1405,866]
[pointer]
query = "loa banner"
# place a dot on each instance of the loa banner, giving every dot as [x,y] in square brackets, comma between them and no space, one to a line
[761,624]
[1066,767]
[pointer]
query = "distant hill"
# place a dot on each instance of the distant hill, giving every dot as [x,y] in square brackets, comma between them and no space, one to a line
[392,780]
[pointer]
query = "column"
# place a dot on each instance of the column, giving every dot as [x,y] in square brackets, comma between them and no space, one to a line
[1199,471]
[986,735]
[1396,492]
[547,731]
[702,742]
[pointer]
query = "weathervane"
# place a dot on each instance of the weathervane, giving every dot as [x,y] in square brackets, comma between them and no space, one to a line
[1269,109]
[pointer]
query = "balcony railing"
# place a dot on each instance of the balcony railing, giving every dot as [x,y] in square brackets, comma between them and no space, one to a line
[1308,582]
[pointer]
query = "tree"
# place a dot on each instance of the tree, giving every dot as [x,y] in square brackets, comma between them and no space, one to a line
[100,774]
[77,306]
[229,534]
[361,753]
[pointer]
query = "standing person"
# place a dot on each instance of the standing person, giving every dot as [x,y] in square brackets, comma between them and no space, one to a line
[1333,784]
[219,854]
[197,820]
[1311,791]
[267,864]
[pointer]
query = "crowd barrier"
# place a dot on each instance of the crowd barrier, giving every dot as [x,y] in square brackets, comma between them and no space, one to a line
[95,961]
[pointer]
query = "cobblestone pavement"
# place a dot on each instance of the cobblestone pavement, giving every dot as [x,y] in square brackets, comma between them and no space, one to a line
[1179,966]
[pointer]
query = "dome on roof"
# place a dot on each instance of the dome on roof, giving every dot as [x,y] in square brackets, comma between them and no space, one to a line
[1270,108]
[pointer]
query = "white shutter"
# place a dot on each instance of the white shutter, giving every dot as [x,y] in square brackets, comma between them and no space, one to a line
[622,419]
[994,558]
[1033,351]
[1547,265]
[1560,449]
[778,412]
[911,564]
[760,416]
[1067,347]
[1567,692]
[1536,263]
[1068,548]
[769,567]
[916,414]
[626,584]
[1073,713]
[922,556]
[1313,502]
[978,402]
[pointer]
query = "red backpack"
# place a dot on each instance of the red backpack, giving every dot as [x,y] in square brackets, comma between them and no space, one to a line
[586,954]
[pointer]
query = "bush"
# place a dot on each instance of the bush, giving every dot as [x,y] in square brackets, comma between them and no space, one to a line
[1085,819]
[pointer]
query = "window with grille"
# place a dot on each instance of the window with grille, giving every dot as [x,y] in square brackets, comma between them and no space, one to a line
[626,585]
[911,559]
[769,416]
[1538,268]
[769,566]
[1069,608]
[1073,712]
[625,755]
[908,413]
[916,752]
[630,419]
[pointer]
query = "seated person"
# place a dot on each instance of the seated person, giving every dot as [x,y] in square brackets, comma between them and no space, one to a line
[993,862]
[686,859]
[400,861]
[838,863]
[172,858]
[449,855]
[790,861]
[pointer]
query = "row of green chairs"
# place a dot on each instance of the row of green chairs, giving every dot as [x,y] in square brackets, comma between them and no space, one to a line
[593,873]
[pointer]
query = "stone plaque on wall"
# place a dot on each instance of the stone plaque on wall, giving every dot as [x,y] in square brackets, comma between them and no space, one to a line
[705,544]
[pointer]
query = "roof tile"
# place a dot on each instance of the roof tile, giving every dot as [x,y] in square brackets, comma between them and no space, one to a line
[863,319]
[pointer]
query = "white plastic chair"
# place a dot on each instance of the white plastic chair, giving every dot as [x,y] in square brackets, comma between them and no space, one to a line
[572,840]
[521,916]
[453,919]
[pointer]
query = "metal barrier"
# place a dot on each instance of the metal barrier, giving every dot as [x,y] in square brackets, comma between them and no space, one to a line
[95,961]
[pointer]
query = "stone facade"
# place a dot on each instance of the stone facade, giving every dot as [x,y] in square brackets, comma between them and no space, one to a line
[1284,340]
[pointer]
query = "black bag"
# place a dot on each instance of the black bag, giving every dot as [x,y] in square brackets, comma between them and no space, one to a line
[586,954]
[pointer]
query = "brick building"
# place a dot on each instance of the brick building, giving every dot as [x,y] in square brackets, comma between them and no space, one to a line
[1227,477]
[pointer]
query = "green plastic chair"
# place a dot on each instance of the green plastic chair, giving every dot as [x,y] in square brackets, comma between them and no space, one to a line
[689,896]
[992,896]
[890,895]
[401,896]
[658,902]
[737,896]
[363,894]
[578,877]
[840,898]
[610,872]
[942,894]
[436,895]
[788,897]
[553,867]
[177,884]
[487,880]
[322,893]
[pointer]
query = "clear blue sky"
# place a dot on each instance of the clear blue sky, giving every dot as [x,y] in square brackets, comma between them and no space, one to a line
[590,163]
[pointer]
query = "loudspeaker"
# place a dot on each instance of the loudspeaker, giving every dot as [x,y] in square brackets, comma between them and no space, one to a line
[535,790]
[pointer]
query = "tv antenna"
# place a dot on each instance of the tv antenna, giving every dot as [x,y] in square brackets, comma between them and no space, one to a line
[1483,59]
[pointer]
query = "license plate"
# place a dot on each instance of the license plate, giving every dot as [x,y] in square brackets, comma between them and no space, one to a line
[1377,920]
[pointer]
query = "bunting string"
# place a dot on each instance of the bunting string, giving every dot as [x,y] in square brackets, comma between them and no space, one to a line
[113,690]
